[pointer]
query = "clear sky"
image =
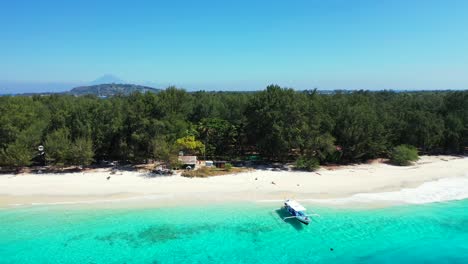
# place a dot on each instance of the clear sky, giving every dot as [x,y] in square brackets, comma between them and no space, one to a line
[242,44]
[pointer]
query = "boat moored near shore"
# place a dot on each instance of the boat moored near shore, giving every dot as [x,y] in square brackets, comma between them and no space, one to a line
[296,210]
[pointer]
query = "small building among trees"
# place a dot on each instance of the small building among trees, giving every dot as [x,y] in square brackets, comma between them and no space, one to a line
[187,161]
[219,164]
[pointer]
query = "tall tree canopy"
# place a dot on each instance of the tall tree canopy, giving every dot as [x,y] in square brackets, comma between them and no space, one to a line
[276,124]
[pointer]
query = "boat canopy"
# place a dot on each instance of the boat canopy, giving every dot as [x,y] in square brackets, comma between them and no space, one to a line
[295,205]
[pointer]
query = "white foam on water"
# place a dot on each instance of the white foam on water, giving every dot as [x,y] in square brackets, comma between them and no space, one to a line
[446,189]
[97,201]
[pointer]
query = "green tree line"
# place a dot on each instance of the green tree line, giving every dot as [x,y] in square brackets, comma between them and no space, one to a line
[277,124]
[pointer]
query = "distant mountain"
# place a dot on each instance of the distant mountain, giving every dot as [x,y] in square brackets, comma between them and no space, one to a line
[107,78]
[111,89]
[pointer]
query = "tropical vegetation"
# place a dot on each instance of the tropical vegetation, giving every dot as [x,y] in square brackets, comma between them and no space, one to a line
[276,124]
[404,155]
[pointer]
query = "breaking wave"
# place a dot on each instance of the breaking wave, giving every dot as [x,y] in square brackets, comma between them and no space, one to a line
[446,189]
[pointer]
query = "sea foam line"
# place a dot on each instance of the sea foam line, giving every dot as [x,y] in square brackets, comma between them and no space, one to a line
[446,189]
[134,198]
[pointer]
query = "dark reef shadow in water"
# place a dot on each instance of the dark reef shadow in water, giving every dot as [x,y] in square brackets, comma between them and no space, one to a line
[154,234]
[293,222]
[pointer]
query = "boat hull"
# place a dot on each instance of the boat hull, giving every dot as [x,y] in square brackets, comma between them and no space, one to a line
[304,220]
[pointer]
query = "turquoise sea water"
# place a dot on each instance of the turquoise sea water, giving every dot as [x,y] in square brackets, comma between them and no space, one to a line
[235,233]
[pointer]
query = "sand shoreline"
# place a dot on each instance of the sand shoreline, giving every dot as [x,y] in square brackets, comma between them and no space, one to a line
[334,186]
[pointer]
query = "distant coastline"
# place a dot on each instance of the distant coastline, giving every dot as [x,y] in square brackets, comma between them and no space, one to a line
[68,89]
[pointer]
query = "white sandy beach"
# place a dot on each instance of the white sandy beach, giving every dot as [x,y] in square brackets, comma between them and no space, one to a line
[431,179]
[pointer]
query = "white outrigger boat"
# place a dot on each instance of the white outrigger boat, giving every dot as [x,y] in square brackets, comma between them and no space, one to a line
[296,210]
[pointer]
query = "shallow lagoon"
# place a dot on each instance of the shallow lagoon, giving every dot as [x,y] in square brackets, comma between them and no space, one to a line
[235,233]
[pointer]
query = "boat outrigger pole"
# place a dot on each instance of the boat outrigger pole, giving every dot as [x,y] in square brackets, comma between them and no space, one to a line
[296,210]
[289,217]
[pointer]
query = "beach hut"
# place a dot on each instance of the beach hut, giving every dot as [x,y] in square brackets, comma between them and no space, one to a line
[219,164]
[187,161]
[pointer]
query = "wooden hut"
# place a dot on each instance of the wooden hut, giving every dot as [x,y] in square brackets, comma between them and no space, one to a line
[187,161]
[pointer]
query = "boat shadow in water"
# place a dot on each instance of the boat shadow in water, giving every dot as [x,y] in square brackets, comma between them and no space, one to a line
[291,221]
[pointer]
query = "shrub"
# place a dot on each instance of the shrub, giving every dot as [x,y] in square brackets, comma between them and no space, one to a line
[308,164]
[175,164]
[404,155]
[228,166]
[204,172]
[201,172]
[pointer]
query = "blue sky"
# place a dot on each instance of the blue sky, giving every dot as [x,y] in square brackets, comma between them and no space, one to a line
[239,45]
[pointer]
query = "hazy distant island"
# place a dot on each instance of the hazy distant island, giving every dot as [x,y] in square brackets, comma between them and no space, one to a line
[101,90]
[111,89]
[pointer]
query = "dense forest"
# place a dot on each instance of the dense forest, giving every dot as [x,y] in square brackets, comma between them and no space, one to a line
[276,124]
